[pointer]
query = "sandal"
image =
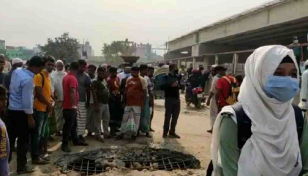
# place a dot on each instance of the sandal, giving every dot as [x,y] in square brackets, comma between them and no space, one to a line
[46,157]
[121,136]
[100,139]
[26,171]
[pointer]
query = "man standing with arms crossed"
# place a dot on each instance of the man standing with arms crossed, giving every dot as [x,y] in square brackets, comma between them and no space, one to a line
[172,102]
[21,110]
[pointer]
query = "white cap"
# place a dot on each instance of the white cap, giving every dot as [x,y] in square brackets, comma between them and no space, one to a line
[16,61]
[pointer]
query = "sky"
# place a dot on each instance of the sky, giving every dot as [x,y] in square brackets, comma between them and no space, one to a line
[31,22]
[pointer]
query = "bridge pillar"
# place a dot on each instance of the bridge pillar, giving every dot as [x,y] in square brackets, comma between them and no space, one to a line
[216,59]
[194,62]
[235,62]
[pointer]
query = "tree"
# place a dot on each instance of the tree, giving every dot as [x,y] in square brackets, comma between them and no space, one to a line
[112,52]
[63,47]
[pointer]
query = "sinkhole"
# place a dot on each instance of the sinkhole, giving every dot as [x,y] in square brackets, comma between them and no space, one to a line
[101,160]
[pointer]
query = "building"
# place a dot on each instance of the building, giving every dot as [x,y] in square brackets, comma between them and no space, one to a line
[85,50]
[2,46]
[13,52]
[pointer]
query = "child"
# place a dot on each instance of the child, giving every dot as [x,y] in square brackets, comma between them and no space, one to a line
[4,140]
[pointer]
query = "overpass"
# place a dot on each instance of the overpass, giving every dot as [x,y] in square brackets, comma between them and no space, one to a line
[232,40]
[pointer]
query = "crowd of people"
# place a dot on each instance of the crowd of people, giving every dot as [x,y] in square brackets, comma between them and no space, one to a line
[256,129]
[75,101]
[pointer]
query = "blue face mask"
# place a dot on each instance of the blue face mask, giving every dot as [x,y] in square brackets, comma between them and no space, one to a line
[282,88]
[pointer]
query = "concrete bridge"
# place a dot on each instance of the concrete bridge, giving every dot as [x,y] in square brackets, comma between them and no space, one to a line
[232,40]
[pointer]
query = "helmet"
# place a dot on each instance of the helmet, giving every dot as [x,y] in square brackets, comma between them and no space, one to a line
[195,70]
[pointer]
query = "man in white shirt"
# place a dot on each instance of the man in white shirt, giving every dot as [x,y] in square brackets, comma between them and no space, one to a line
[56,82]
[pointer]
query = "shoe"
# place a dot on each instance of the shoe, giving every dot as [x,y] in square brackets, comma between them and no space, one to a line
[174,135]
[165,135]
[46,157]
[40,161]
[133,138]
[99,139]
[152,130]
[28,170]
[121,136]
[66,149]
[109,136]
[80,143]
[148,135]
[81,138]
[90,134]
[58,134]
[50,138]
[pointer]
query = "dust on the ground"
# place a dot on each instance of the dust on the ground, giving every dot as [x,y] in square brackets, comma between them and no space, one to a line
[192,126]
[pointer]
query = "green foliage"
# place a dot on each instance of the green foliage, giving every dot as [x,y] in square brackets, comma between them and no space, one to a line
[113,51]
[63,47]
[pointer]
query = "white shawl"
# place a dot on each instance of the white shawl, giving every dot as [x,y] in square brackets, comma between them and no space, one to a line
[273,149]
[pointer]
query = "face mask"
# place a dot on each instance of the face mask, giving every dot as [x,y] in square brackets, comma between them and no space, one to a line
[282,88]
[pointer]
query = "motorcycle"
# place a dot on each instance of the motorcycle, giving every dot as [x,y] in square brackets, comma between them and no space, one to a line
[197,97]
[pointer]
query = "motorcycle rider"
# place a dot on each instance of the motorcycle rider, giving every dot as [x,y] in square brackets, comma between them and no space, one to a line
[193,81]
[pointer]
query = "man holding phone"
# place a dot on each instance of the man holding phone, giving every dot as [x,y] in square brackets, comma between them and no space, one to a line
[172,102]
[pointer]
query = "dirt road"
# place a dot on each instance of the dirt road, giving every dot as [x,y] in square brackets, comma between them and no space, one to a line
[192,127]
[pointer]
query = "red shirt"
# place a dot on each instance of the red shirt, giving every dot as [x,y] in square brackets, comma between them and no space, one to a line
[135,88]
[69,81]
[224,87]
[113,84]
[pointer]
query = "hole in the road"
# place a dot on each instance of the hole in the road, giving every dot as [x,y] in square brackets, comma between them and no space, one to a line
[101,160]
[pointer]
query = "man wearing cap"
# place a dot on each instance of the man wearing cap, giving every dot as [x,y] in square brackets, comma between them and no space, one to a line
[17,62]
[57,89]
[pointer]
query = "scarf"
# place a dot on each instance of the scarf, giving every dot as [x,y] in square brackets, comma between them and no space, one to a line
[273,148]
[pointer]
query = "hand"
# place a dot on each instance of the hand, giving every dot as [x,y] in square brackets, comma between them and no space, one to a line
[49,108]
[87,105]
[115,92]
[96,108]
[208,102]
[175,84]
[31,122]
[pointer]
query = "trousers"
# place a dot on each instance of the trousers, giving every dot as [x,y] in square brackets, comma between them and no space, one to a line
[172,106]
[70,125]
[18,128]
[40,119]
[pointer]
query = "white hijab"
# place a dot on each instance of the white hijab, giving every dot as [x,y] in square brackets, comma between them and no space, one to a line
[273,148]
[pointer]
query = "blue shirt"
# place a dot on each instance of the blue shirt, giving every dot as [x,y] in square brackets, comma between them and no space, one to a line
[4,151]
[21,91]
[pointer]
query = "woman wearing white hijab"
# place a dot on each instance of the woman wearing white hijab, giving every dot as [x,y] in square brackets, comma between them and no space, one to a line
[266,96]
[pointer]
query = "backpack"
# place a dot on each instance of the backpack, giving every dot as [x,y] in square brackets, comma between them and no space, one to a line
[233,91]
[244,123]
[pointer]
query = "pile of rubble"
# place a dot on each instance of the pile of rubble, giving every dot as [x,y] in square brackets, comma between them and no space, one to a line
[104,159]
